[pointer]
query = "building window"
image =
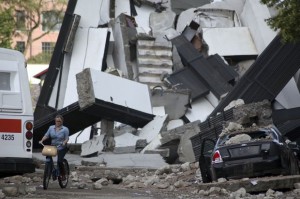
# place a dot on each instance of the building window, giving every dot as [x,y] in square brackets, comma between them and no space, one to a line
[20,46]
[4,81]
[20,20]
[51,21]
[48,47]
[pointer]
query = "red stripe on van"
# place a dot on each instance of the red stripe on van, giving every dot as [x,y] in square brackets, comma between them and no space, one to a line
[10,126]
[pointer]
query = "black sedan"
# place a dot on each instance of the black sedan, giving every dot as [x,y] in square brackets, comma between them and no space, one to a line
[247,153]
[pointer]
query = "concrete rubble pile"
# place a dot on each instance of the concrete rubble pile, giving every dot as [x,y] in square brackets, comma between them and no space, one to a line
[187,74]
[173,180]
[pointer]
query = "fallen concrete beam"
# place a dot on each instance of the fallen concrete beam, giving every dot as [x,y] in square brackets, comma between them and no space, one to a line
[255,184]
[114,98]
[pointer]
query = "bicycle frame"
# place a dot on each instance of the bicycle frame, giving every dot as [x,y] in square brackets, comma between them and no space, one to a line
[53,171]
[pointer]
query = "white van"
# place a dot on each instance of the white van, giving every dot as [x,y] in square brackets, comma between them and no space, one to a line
[16,114]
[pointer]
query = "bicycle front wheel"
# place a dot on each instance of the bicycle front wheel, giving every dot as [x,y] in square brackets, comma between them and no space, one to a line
[63,181]
[47,174]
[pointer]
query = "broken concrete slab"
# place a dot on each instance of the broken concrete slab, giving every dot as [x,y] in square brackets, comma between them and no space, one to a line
[182,134]
[153,128]
[126,143]
[201,108]
[235,42]
[218,18]
[185,149]
[114,98]
[179,98]
[172,124]
[93,146]
[153,145]
[160,22]
[176,133]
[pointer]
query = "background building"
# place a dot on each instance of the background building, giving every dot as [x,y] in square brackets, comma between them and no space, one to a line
[37,29]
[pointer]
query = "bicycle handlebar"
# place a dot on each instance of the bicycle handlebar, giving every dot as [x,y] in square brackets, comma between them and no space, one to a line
[52,145]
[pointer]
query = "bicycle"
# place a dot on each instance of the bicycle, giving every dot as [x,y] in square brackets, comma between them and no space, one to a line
[52,171]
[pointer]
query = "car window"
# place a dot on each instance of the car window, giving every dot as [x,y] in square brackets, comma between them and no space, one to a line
[248,136]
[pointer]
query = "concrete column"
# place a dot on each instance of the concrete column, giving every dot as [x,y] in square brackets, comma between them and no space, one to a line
[107,127]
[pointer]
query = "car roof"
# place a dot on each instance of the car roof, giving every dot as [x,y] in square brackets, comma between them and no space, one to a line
[249,130]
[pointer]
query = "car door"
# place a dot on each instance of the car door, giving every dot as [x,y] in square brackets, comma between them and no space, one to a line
[207,147]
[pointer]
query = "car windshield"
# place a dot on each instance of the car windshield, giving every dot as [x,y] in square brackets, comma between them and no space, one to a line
[242,137]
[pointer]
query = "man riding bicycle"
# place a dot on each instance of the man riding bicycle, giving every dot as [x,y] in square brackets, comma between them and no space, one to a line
[59,135]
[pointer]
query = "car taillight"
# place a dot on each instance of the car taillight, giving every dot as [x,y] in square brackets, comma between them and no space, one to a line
[217,158]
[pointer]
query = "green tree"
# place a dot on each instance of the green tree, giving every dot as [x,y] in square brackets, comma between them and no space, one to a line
[287,19]
[31,14]
[7,27]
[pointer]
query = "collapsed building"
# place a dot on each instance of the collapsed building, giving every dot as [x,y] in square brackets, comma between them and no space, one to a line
[135,76]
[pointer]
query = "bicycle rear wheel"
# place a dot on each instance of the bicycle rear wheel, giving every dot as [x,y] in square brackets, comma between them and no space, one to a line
[64,182]
[47,174]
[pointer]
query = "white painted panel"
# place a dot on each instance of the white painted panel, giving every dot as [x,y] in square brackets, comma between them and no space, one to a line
[253,16]
[201,108]
[159,110]
[122,6]
[92,13]
[153,128]
[229,41]
[289,96]
[142,19]
[121,91]
[125,140]
[87,53]
[212,99]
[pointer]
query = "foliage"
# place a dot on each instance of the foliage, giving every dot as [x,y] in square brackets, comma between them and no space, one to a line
[42,58]
[32,13]
[7,27]
[287,20]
